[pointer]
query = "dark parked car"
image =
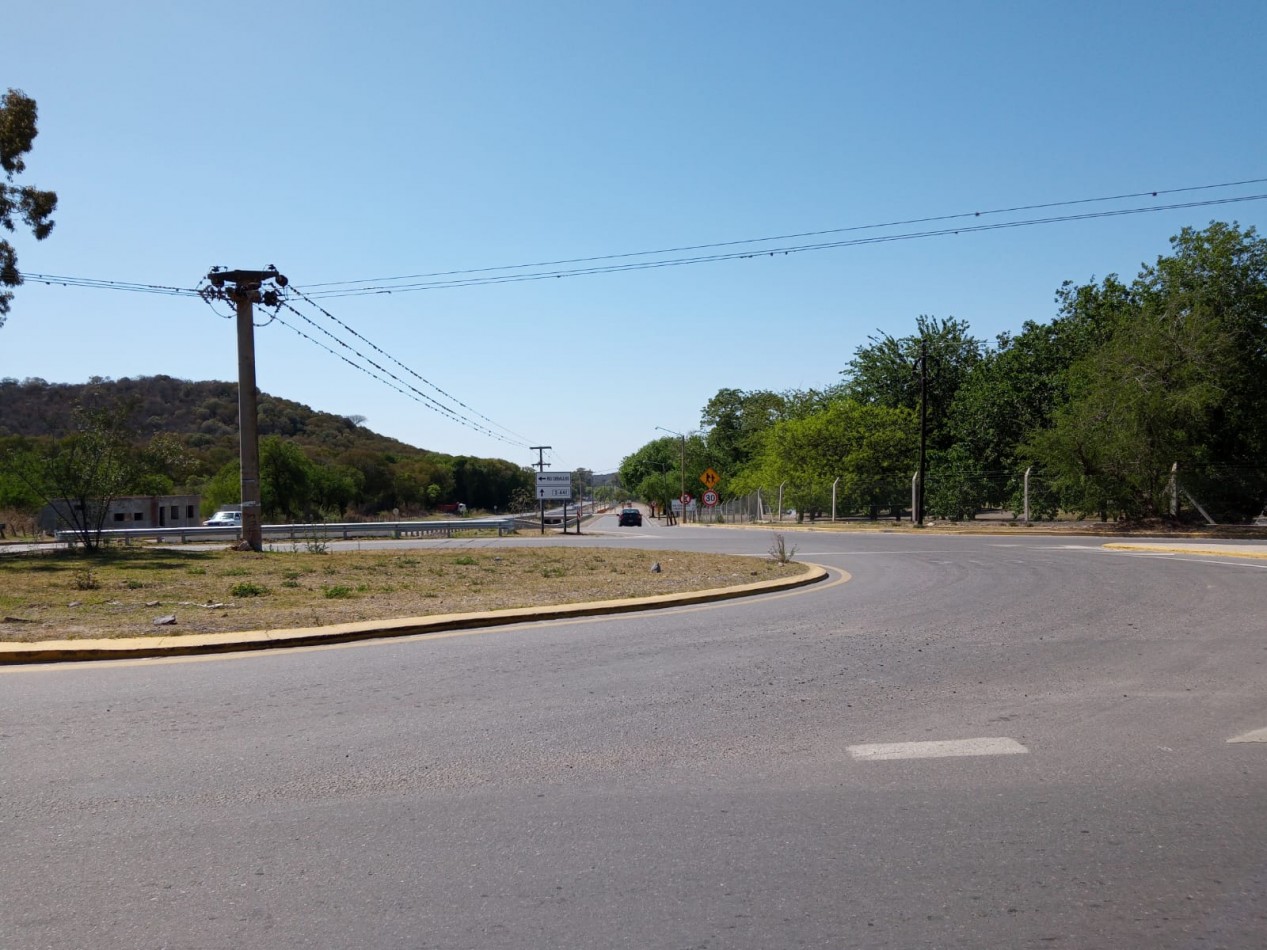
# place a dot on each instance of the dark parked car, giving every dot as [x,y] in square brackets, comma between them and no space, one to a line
[631,516]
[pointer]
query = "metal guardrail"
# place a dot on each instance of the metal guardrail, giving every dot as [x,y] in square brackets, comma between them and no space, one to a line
[309,532]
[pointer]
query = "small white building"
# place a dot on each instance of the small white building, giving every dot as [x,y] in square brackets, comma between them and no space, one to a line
[130,511]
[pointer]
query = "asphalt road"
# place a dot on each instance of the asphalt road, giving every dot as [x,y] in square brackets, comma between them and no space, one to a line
[743,775]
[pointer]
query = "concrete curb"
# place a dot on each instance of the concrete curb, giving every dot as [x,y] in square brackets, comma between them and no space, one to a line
[1258,551]
[129,648]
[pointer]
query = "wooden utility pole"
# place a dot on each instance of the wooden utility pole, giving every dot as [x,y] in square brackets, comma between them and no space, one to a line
[244,292]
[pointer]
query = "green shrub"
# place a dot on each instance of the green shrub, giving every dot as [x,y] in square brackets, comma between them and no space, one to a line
[247,589]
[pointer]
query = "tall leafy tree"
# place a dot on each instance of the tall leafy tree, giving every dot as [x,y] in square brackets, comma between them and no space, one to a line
[1181,376]
[80,475]
[883,372]
[734,420]
[655,474]
[288,481]
[32,206]
[868,447]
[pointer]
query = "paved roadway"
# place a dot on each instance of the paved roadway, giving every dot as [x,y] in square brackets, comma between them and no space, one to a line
[743,775]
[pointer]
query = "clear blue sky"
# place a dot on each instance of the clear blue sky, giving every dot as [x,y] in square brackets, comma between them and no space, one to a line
[344,142]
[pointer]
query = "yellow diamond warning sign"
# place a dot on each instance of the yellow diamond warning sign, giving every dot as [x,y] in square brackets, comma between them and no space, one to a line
[710,478]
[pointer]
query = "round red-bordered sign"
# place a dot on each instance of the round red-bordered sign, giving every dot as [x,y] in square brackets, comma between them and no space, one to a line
[686,498]
[710,498]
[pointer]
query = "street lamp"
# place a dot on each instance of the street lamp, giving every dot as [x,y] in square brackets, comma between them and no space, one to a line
[682,468]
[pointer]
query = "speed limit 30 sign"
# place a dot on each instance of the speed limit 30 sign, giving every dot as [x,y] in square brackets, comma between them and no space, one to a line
[709,498]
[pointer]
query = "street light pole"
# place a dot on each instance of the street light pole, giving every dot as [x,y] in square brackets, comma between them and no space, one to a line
[682,467]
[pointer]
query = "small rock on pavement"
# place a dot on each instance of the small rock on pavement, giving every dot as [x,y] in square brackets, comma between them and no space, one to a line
[655,568]
[165,621]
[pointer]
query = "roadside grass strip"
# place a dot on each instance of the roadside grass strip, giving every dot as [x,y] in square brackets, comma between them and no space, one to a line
[885,751]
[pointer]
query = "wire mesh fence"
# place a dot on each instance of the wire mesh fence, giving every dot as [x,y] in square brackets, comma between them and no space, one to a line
[1211,494]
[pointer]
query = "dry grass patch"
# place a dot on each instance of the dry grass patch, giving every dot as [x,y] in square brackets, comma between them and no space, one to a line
[123,591]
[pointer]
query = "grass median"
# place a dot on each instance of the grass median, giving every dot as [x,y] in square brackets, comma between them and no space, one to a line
[134,592]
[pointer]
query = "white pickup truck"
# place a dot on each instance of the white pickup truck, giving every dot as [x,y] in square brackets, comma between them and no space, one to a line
[224,519]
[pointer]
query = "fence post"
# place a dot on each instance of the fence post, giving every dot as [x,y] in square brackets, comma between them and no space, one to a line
[781,484]
[1027,471]
[1174,490]
[914,497]
[833,497]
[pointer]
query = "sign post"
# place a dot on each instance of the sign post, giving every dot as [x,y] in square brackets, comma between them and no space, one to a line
[553,486]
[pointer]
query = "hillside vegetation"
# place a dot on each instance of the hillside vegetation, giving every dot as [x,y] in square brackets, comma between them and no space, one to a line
[184,433]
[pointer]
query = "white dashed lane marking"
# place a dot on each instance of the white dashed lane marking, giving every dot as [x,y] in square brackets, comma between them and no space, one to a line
[936,750]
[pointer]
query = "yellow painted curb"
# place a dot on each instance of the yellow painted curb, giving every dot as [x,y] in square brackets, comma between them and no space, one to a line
[54,651]
[1170,549]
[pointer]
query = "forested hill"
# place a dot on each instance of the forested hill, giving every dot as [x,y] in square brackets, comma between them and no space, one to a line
[203,414]
[183,436]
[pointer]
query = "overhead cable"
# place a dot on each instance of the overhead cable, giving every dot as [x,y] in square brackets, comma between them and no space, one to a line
[417,394]
[349,285]
[409,370]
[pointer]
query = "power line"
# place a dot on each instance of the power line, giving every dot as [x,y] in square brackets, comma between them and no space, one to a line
[99,284]
[774,251]
[787,237]
[407,369]
[408,390]
[469,277]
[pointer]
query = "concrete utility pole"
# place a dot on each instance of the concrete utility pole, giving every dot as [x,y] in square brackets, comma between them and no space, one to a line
[244,292]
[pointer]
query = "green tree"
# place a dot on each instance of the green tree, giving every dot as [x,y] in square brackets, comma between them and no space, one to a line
[80,475]
[870,448]
[582,479]
[1218,276]
[15,491]
[1181,376]
[656,471]
[647,470]
[223,488]
[32,206]
[734,420]
[883,373]
[288,481]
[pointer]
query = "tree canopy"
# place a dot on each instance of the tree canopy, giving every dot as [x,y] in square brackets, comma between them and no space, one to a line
[1125,382]
[32,206]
